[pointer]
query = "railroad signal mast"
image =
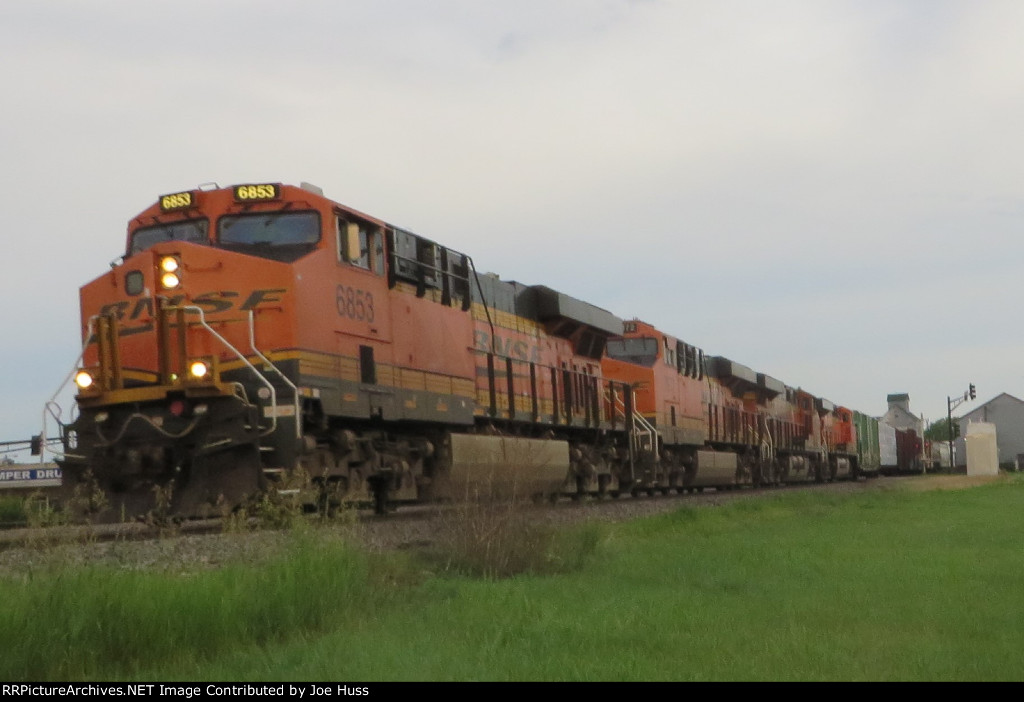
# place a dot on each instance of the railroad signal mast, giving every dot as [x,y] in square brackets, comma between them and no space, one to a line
[951,404]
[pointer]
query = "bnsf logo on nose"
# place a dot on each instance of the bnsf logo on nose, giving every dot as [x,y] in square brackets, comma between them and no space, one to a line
[211,303]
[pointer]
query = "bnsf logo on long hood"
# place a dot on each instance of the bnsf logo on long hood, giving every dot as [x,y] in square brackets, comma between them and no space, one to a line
[211,303]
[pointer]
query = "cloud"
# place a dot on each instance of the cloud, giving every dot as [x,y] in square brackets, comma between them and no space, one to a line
[799,184]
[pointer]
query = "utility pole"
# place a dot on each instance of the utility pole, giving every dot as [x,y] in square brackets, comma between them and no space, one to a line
[925,454]
[951,405]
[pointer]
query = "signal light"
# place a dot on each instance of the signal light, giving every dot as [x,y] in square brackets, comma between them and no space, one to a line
[169,267]
[972,392]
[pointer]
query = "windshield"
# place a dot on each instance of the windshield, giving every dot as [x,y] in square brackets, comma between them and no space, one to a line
[642,352]
[194,231]
[277,235]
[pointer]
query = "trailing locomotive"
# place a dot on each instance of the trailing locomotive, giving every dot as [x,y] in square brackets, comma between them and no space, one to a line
[258,334]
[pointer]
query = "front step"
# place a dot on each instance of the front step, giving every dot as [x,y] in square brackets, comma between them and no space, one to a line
[276,473]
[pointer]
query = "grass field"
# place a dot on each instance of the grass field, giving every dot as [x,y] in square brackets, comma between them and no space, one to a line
[799,586]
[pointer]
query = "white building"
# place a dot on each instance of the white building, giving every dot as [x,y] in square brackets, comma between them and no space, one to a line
[1006,412]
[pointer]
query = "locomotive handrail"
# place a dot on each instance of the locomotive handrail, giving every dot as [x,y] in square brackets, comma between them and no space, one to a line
[423,265]
[53,399]
[429,266]
[295,390]
[617,402]
[648,428]
[241,357]
[483,300]
[767,441]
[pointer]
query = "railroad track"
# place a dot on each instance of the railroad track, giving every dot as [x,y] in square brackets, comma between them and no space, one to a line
[82,533]
[410,525]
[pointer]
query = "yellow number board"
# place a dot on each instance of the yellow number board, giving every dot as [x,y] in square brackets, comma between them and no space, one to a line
[254,192]
[177,201]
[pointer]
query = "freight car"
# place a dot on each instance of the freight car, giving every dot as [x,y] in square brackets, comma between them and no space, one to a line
[263,337]
[868,458]
[899,450]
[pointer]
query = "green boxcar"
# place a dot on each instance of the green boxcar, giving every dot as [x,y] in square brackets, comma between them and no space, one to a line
[868,458]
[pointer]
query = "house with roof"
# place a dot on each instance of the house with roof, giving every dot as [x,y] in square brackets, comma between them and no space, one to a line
[1006,412]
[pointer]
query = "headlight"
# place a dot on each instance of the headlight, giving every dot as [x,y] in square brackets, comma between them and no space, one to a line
[198,369]
[169,264]
[170,281]
[83,379]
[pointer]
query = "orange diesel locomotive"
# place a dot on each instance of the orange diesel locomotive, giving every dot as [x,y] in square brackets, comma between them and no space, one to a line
[720,424]
[261,332]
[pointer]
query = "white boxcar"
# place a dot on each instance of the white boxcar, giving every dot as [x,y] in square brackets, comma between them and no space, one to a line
[887,446]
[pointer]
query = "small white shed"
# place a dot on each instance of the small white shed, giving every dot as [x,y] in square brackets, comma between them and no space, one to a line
[982,450]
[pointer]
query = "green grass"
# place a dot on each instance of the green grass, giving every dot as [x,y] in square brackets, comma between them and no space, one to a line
[32,510]
[94,622]
[12,511]
[802,586]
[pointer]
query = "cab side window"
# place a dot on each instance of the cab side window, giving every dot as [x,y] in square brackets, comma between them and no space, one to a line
[670,353]
[360,246]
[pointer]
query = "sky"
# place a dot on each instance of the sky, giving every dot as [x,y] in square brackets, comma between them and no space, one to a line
[827,191]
